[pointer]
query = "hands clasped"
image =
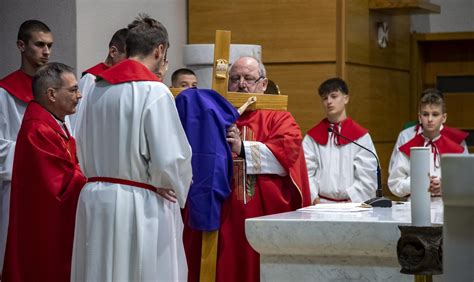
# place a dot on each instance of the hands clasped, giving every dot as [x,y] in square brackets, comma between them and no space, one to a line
[233,137]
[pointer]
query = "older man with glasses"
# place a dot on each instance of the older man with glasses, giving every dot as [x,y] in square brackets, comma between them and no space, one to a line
[46,182]
[269,141]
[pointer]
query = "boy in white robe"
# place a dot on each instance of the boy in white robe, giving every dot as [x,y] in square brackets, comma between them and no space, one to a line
[407,134]
[338,170]
[432,114]
[115,55]
[133,149]
[34,42]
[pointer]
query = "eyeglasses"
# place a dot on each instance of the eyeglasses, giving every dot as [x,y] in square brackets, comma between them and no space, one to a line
[247,80]
[74,89]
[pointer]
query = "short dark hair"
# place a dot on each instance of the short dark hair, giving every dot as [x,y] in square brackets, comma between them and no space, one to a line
[333,84]
[433,96]
[47,76]
[144,34]
[178,72]
[118,39]
[30,26]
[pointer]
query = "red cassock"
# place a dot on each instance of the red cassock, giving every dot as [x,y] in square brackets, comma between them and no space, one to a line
[45,188]
[270,194]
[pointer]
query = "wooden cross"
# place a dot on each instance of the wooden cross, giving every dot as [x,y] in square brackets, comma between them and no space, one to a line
[220,79]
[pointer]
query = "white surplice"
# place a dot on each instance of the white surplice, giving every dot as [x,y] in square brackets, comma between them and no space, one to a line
[86,84]
[11,115]
[341,172]
[123,233]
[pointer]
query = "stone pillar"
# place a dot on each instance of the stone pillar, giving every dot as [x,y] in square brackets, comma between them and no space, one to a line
[458,232]
[199,58]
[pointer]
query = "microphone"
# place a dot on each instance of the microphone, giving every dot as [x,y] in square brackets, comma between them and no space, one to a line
[379,200]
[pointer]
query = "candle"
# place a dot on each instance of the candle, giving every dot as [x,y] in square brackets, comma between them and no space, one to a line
[419,185]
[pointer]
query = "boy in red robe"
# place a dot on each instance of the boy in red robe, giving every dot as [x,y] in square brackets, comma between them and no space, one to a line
[46,182]
[432,114]
[276,180]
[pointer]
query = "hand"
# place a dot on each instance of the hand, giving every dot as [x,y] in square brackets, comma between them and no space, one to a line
[168,194]
[316,201]
[435,186]
[233,137]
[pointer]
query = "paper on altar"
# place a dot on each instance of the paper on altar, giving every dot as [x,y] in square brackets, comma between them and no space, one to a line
[338,207]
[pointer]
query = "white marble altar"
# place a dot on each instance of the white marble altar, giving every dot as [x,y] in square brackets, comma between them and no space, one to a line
[332,246]
[200,58]
[458,229]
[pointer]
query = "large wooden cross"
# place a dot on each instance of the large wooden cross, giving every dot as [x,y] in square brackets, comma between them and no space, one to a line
[220,79]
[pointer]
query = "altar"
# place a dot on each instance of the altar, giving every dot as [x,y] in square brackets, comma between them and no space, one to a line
[333,245]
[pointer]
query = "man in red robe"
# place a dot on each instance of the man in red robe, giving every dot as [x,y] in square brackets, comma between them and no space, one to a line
[46,182]
[276,179]
[34,43]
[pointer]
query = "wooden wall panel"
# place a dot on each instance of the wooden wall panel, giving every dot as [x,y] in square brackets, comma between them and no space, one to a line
[460,107]
[447,58]
[361,37]
[379,100]
[289,31]
[300,82]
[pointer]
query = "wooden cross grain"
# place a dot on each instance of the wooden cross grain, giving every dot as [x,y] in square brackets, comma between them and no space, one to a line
[220,79]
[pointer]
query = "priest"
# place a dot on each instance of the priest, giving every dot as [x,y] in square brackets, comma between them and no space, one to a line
[268,144]
[46,182]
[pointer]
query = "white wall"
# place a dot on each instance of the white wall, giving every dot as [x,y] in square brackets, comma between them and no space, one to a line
[455,16]
[98,20]
[60,16]
[82,29]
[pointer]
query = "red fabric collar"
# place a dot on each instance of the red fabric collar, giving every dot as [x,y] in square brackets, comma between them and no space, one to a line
[40,113]
[444,145]
[95,70]
[19,85]
[126,71]
[454,134]
[348,128]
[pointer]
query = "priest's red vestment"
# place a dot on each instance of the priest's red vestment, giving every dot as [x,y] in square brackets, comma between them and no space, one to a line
[45,188]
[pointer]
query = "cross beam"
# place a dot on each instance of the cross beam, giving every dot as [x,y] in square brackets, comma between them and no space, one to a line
[220,79]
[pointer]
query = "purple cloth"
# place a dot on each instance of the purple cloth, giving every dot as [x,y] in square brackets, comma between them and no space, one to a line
[206,116]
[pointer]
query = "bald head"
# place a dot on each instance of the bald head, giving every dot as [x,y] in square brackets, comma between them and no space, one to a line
[247,75]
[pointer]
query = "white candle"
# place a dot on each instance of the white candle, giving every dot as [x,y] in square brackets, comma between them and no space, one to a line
[419,185]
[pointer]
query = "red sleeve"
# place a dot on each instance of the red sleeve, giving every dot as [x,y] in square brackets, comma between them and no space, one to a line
[285,142]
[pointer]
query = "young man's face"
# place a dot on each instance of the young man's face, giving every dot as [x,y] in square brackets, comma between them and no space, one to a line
[334,103]
[38,48]
[431,117]
[185,81]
